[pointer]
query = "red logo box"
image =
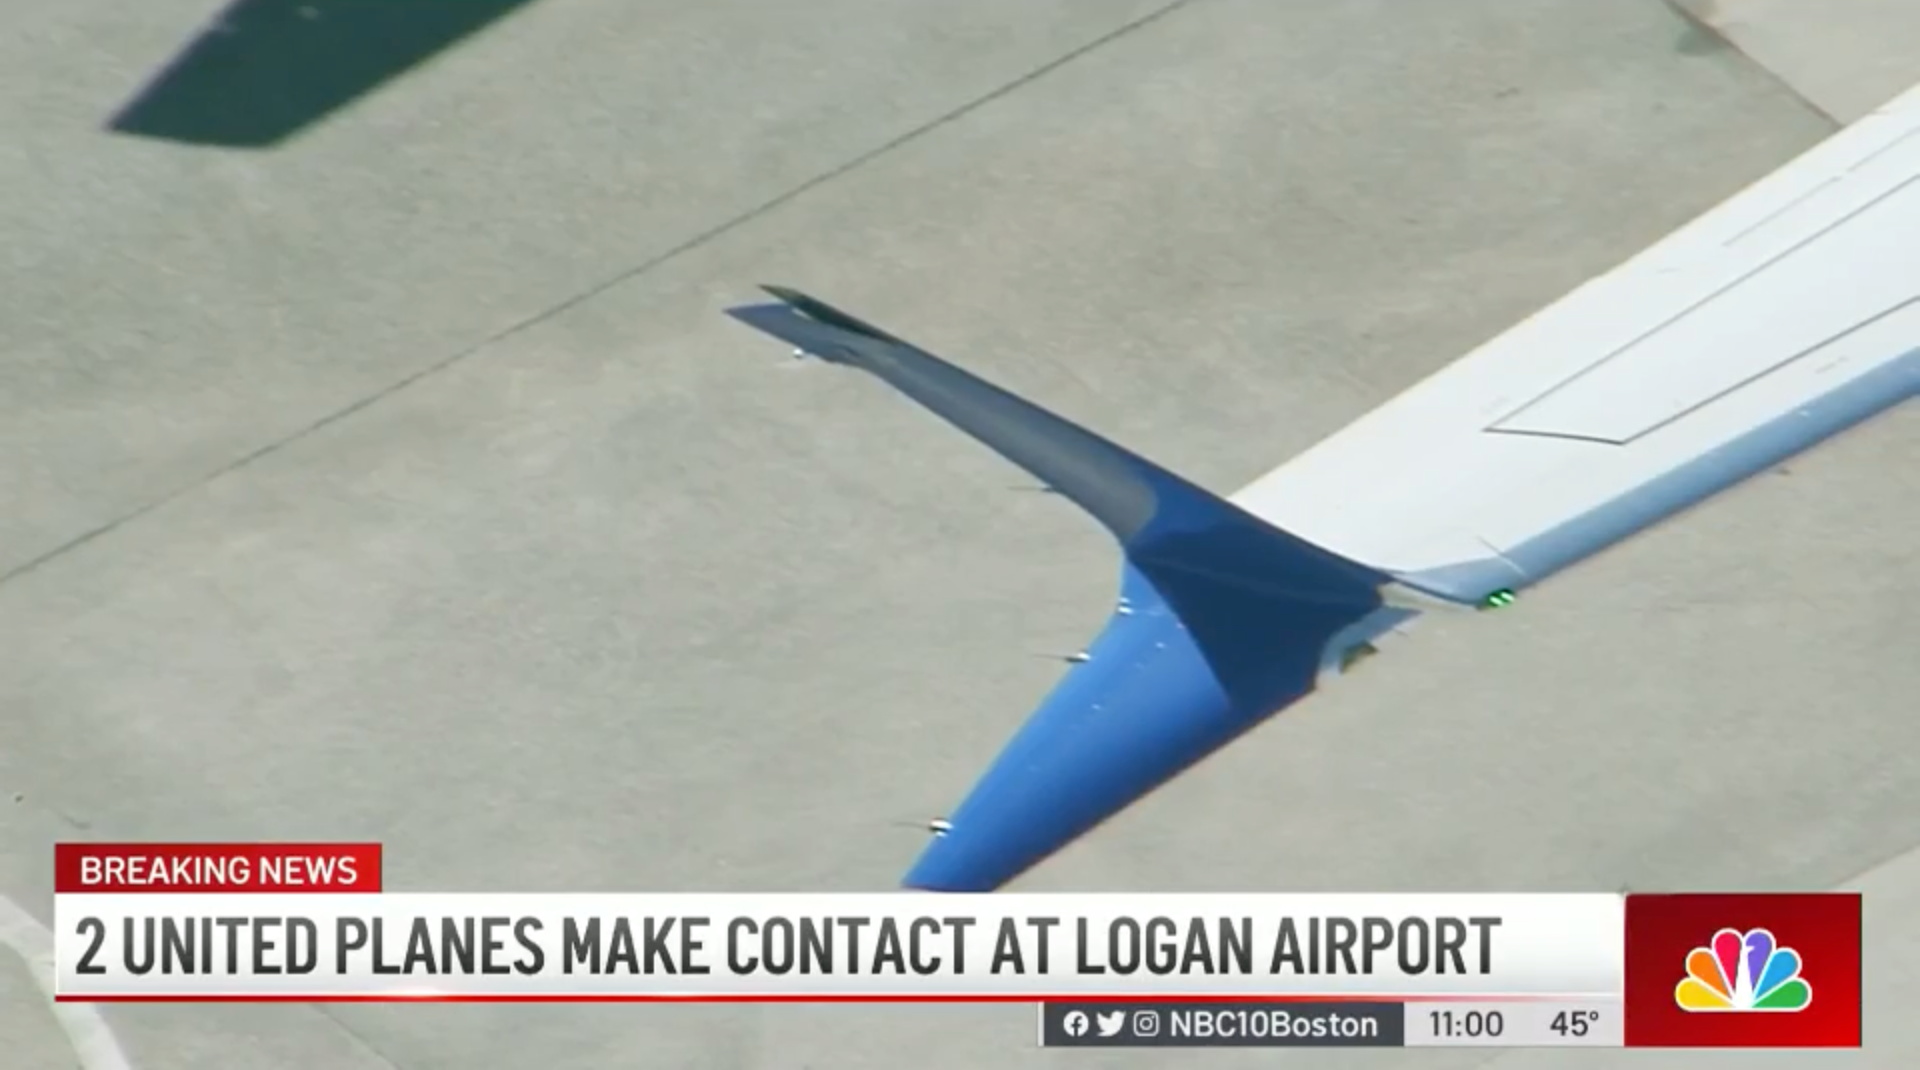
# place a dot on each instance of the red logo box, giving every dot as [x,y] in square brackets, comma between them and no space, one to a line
[1820,930]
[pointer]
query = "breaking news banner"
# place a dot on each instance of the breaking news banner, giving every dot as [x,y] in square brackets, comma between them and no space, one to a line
[310,922]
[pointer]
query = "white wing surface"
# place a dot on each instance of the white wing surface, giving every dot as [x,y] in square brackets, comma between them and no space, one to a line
[1778,319]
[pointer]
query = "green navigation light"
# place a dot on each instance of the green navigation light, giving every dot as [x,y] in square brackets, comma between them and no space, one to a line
[1498,599]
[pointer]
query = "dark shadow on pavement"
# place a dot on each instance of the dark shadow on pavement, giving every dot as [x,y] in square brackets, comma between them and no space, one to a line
[263,70]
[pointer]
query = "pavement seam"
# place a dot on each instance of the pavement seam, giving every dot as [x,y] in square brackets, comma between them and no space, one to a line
[90,1038]
[583,296]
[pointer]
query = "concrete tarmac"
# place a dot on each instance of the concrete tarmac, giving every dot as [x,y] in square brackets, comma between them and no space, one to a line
[404,483]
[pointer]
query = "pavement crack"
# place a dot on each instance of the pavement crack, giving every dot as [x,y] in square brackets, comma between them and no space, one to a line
[589,293]
[358,1038]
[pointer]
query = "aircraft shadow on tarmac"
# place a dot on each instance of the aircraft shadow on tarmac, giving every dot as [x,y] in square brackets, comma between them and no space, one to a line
[263,70]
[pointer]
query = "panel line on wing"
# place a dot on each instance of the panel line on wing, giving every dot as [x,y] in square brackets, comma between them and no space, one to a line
[1774,368]
[1563,402]
[1564,436]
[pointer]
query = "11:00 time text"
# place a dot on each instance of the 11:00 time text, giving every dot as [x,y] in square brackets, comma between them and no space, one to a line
[1450,1024]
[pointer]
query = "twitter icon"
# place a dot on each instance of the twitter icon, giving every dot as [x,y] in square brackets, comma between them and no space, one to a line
[1109,1024]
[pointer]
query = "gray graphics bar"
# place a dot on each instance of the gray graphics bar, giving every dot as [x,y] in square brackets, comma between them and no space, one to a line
[1222,1024]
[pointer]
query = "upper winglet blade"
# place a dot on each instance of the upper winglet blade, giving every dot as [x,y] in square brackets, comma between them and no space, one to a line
[1147,508]
[1099,476]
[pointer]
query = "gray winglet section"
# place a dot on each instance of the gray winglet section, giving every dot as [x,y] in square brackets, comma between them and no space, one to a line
[1161,520]
[1100,477]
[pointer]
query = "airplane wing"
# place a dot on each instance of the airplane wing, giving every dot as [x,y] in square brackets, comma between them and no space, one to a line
[1773,322]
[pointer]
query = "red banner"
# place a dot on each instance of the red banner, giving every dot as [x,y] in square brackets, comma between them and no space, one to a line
[162,868]
[1743,971]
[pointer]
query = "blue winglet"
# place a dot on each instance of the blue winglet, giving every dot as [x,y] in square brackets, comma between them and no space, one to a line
[1224,620]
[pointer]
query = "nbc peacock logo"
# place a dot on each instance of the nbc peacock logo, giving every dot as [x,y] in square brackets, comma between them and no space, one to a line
[1743,972]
